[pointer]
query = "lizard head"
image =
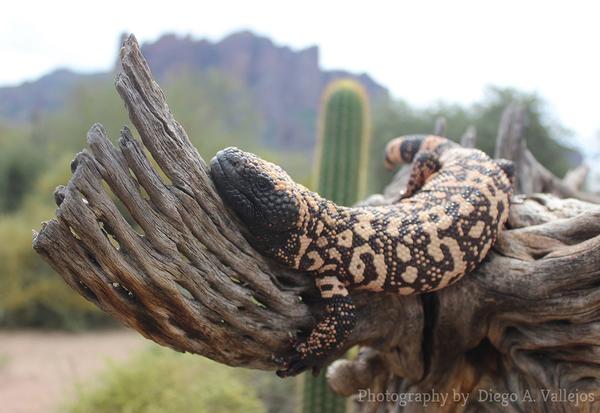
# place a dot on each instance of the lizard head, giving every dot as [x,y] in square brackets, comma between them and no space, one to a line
[261,194]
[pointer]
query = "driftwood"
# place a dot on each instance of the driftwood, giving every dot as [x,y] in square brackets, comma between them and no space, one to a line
[533,177]
[575,178]
[469,138]
[155,247]
[440,126]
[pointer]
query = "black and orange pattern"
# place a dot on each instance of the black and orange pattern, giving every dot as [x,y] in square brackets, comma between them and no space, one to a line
[456,202]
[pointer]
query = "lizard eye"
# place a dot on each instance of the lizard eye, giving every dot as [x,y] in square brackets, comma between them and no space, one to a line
[263,184]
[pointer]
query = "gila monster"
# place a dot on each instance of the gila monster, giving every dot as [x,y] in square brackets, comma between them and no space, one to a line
[444,224]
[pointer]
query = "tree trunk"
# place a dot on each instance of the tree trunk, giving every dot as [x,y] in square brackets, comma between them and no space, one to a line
[180,272]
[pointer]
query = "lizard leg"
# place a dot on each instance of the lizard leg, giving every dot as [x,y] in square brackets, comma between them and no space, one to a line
[425,164]
[328,335]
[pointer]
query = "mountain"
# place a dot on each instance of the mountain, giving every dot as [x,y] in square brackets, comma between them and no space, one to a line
[21,103]
[285,84]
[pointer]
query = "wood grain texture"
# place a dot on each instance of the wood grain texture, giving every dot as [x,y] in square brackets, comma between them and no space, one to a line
[141,232]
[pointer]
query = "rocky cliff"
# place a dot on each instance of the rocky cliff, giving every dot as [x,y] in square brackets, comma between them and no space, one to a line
[285,84]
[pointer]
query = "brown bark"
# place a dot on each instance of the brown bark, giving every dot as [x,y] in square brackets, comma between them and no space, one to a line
[533,177]
[155,247]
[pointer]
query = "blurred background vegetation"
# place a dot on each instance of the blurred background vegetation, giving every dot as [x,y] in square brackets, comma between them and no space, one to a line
[158,380]
[217,109]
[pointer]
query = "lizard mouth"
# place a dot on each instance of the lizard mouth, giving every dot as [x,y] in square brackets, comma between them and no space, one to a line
[229,184]
[232,190]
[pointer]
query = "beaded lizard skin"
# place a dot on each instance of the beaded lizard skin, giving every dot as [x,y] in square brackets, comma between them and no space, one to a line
[444,224]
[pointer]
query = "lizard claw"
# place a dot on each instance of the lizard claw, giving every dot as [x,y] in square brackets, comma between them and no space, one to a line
[298,362]
[299,346]
[294,366]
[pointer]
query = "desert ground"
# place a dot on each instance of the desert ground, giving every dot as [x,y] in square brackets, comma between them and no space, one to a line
[39,370]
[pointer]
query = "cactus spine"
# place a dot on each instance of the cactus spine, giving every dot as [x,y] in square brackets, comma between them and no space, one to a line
[342,151]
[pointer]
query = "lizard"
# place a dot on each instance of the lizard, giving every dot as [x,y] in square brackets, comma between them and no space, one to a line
[454,206]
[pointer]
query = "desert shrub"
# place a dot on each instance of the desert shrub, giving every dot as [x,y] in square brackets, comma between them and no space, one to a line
[159,380]
[31,293]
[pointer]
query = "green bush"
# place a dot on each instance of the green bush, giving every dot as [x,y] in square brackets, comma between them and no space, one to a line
[20,165]
[159,380]
[31,294]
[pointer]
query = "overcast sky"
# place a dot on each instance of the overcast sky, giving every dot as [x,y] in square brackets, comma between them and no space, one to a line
[423,51]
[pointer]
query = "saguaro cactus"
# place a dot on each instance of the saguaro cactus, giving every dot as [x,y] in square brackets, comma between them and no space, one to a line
[343,142]
[342,150]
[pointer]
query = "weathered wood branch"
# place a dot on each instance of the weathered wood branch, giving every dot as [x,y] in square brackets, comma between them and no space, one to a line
[575,178]
[440,126]
[155,247]
[532,176]
[469,138]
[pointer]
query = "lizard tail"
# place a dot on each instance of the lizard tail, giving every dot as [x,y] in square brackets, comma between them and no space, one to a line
[403,149]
